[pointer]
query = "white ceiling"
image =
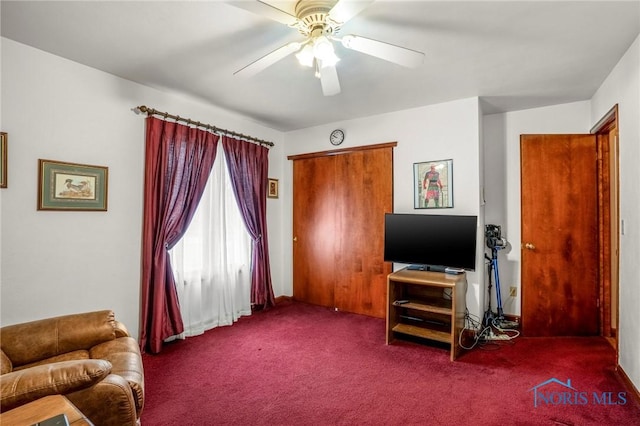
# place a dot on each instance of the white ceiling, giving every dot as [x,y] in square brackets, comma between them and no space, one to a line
[513,54]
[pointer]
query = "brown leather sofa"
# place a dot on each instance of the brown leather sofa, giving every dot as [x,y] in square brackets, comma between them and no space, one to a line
[89,358]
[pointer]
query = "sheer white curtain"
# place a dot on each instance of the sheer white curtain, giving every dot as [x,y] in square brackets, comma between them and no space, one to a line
[212,261]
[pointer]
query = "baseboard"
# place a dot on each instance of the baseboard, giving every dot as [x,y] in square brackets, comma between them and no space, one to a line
[283,299]
[623,376]
[278,300]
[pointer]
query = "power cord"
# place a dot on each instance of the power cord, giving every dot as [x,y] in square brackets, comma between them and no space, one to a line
[485,335]
[473,324]
[497,325]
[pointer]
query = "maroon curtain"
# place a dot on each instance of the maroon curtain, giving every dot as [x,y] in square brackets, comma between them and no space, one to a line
[248,165]
[178,162]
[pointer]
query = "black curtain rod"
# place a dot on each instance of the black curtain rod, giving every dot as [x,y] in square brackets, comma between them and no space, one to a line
[165,115]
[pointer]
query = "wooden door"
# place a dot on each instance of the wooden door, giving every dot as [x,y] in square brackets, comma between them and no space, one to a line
[339,201]
[363,195]
[559,235]
[314,230]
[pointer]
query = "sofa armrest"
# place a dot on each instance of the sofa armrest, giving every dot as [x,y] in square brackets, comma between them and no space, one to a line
[121,330]
[126,361]
[109,402]
[23,386]
[5,363]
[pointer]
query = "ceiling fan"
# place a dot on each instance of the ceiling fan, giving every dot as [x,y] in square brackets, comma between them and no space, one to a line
[319,21]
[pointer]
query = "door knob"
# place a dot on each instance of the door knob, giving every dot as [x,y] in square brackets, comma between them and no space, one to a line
[529,246]
[295,238]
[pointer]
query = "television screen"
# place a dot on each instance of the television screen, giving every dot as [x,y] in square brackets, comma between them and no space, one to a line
[434,241]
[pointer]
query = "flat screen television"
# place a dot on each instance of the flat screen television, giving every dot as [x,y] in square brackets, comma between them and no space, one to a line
[431,242]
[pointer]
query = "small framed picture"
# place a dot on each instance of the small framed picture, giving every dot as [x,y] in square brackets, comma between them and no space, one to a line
[70,186]
[3,160]
[272,188]
[433,184]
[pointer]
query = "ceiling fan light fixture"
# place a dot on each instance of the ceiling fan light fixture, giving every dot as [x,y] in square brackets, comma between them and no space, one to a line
[322,48]
[305,56]
[329,60]
[348,41]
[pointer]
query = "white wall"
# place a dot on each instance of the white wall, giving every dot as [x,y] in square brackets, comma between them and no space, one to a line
[1,190]
[502,177]
[444,131]
[622,87]
[502,185]
[56,109]
[53,262]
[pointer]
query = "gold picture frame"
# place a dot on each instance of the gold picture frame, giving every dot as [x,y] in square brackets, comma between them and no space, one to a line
[3,159]
[71,186]
[272,188]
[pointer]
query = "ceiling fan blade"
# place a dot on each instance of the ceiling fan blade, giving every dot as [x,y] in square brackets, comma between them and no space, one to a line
[261,8]
[269,59]
[389,52]
[347,9]
[329,80]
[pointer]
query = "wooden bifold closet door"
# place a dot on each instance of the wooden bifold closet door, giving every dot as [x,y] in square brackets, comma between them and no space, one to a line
[339,201]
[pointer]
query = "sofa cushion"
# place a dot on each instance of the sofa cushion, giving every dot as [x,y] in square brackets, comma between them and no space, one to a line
[69,356]
[33,341]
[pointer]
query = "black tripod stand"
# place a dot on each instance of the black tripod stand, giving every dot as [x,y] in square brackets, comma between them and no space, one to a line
[489,316]
[493,235]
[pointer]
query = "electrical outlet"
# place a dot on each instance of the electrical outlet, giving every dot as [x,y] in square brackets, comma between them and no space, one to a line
[513,291]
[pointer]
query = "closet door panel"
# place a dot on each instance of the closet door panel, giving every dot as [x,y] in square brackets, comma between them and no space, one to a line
[339,201]
[364,194]
[314,230]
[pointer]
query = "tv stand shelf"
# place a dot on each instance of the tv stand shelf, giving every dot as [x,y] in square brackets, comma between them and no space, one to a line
[434,309]
[437,306]
[425,333]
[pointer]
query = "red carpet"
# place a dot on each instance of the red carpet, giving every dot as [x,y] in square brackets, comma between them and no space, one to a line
[298,364]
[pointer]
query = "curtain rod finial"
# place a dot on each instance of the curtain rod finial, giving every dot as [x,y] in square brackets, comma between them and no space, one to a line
[140,109]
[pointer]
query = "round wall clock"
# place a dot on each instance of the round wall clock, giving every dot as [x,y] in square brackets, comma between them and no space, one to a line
[336,137]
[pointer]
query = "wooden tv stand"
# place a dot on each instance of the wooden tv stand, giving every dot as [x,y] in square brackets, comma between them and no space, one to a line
[435,309]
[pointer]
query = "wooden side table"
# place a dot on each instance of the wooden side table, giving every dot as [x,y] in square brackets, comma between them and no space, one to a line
[42,409]
[428,305]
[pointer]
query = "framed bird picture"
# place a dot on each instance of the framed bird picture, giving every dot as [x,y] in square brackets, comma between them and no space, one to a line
[70,186]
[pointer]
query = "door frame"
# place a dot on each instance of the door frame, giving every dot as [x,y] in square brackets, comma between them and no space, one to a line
[608,223]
